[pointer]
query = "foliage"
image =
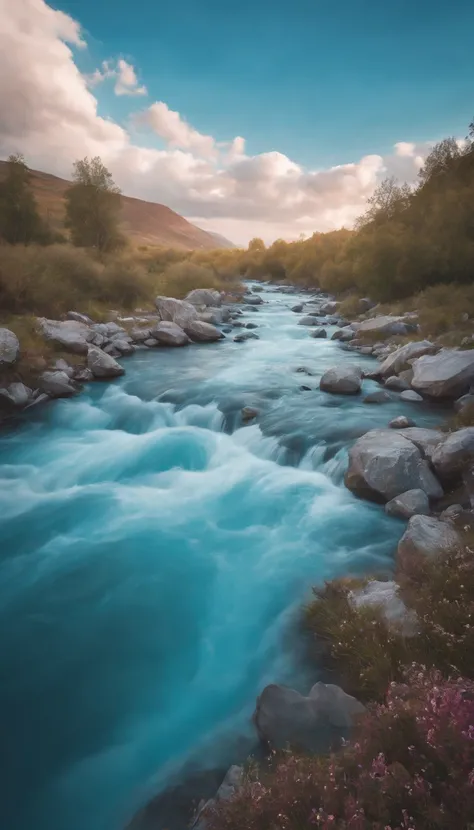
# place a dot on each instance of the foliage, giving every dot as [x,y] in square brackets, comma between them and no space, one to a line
[93,207]
[410,767]
[20,222]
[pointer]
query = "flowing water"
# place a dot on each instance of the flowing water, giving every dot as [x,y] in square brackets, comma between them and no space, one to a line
[155,554]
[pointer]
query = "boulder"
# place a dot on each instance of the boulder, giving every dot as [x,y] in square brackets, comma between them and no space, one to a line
[204,296]
[253,300]
[70,335]
[284,717]
[103,365]
[408,504]
[400,359]
[425,439]
[342,380]
[57,385]
[168,334]
[215,316]
[16,394]
[203,332]
[62,366]
[176,311]
[465,404]
[448,374]
[366,304]
[345,334]
[454,454]
[109,330]
[231,783]
[79,318]
[383,464]
[251,326]
[298,308]
[83,375]
[246,335]
[330,307]
[397,384]
[308,321]
[380,396]
[401,422]
[425,537]
[385,596]
[139,335]
[385,326]
[249,413]
[9,347]
[151,343]
[319,334]
[411,397]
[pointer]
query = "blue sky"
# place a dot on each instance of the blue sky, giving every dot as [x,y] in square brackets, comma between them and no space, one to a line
[320,81]
[329,96]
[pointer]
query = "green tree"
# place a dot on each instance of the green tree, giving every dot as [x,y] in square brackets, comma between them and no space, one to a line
[20,222]
[387,202]
[93,206]
[440,160]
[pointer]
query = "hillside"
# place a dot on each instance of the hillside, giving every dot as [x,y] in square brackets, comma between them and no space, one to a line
[146,223]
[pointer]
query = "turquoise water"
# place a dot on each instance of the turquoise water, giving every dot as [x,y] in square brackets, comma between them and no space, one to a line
[154,556]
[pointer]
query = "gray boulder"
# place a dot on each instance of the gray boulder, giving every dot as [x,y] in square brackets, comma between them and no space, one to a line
[345,334]
[454,454]
[215,316]
[176,311]
[385,596]
[448,374]
[203,332]
[103,365]
[464,404]
[253,300]
[319,334]
[408,504]
[400,359]
[9,347]
[284,717]
[246,335]
[385,326]
[168,334]
[139,335]
[426,536]
[366,304]
[342,380]
[17,394]
[204,296]
[151,343]
[330,307]
[383,464]
[308,321]
[425,439]
[397,384]
[123,346]
[401,422]
[298,308]
[411,397]
[380,396]
[57,385]
[70,335]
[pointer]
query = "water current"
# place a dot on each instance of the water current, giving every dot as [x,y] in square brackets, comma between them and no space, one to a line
[155,555]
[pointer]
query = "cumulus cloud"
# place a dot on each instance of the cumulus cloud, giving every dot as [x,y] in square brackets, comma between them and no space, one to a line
[50,114]
[126,81]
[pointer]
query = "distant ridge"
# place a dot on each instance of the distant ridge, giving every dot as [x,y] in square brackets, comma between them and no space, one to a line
[146,223]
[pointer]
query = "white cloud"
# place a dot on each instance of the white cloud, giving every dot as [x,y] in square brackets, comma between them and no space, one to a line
[50,114]
[175,130]
[126,81]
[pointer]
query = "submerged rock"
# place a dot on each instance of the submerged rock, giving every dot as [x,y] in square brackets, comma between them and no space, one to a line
[448,374]
[103,365]
[284,717]
[231,783]
[342,380]
[401,422]
[246,335]
[380,396]
[383,464]
[408,504]
[249,413]
[298,308]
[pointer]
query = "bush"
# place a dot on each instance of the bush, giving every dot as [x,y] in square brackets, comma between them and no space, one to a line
[410,767]
[182,277]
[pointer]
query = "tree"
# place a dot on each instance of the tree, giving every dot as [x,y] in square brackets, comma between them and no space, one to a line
[20,222]
[93,206]
[387,202]
[440,160]
[256,245]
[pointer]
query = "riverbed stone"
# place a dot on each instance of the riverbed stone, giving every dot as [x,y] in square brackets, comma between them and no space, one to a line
[308,321]
[425,439]
[454,454]
[379,396]
[298,308]
[246,335]
[425,537]
[57,385]
[448,374]
[203,332]
[103,365]
[385,326]
[383,464]
[408,504]
[342,380]
[397,384]
[204,296]
[411,397]
[180,312]
[9,347]
[400,359]
[319,334]
[284,717]
[401,422]
[70,335]
[254,299]
[16,394]
[168,334]
[249,413]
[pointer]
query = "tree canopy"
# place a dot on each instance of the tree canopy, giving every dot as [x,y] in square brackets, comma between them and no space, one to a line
[93,206]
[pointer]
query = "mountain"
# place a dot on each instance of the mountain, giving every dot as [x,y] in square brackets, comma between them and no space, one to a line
[146,223]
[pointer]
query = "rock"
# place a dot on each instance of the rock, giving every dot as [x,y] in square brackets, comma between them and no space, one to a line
[72,336]
[454,454]
[57,385]
[151,343]
[401,422]
[385,596]
[176,311]
[83,375]
[397,384]
[139,335]
[298,308]
[284,717]
[109,330]
[345,334]
[169,334]
[448,374]
[216,317]
[408,504]
[453,513]
[302,370]
[253,300]
[425,439]
[381,396]
[400,359]
[308,321]
[123,346]
[103,365]
[366,304]
[411,396]
[16,394]
[330,307]
[465,404]
[427,537]
[63,366]
[111,350]
[366,350]
[251,326]
[9,347]
[204,296]
[231,783]
[319,334]
[383,464]
[203,332]
[342,380]
[79,318]
[246,335]
[249,413]
[386,326]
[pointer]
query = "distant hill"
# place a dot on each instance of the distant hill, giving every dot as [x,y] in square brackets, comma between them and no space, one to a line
[146,223]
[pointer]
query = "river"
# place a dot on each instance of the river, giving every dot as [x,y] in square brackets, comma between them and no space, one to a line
[155,555]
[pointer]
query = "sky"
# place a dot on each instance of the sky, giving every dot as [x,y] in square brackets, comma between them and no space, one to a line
[250,118]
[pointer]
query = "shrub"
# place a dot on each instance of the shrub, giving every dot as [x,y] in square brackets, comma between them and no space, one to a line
[124,283]
[410,767]
[182,277]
